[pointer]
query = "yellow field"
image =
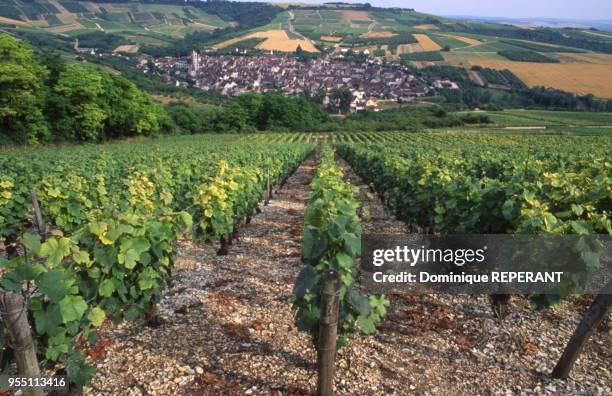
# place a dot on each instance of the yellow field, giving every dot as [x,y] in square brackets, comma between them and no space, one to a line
[127,48]
[409,48]
[333,39]
[466,40]
[572,57]
[582,78]
[426,26]
[378,34]
[276,40]
[427,43]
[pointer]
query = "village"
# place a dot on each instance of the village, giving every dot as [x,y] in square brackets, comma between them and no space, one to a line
[369,82]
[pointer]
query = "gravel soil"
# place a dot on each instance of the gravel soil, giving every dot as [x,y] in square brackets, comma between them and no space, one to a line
[228,329]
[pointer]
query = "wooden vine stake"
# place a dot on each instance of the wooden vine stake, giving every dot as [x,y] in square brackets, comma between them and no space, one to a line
[268,187]
[15,318]
[328,333]
[40,222]
[589,322]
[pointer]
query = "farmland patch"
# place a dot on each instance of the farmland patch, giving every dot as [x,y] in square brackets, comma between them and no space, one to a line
[378,34]
[466,40]
[600,59]
[127,48]
[356,16]
[275,40]
[582,78]
[409,48]
[426,26]
[333,39]
[427,43]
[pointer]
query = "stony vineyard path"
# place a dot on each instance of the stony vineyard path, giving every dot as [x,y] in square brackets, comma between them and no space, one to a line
[228,328]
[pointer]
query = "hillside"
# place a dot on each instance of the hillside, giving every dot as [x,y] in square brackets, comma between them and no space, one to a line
[571,59]
[137,23]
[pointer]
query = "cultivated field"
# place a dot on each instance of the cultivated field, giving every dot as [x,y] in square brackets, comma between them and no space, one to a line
[73,18]
[466,40]
[275,40]
[378,34]
[582,78]
[129,49]
[409,48]
[66,28]
[570,57]
[356,16]
[333,39]
[426,26]
[458,58]
[427,43]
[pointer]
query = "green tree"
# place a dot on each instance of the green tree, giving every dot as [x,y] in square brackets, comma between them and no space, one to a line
[21,118]
[234,118]
[83,112]
[341,100]
[130,111]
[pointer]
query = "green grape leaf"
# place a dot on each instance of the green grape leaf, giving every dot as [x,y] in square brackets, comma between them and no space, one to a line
[79,372]
[55,250]
[106,288]
[366,324]
[31,242]
[306,280]
[358,302]
[96,316]
[353,243]
[51,283]
[72,308]
[98,228]
[81,257]
[129,258]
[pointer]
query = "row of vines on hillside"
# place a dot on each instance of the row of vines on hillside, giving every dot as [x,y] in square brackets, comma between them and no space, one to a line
[332,241]
[113,217]
[478,189]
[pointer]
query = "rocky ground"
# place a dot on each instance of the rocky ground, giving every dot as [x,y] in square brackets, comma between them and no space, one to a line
[228,329]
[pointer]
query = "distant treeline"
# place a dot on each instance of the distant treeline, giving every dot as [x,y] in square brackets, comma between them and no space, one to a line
[339,5]
[409,119]
[252,113]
